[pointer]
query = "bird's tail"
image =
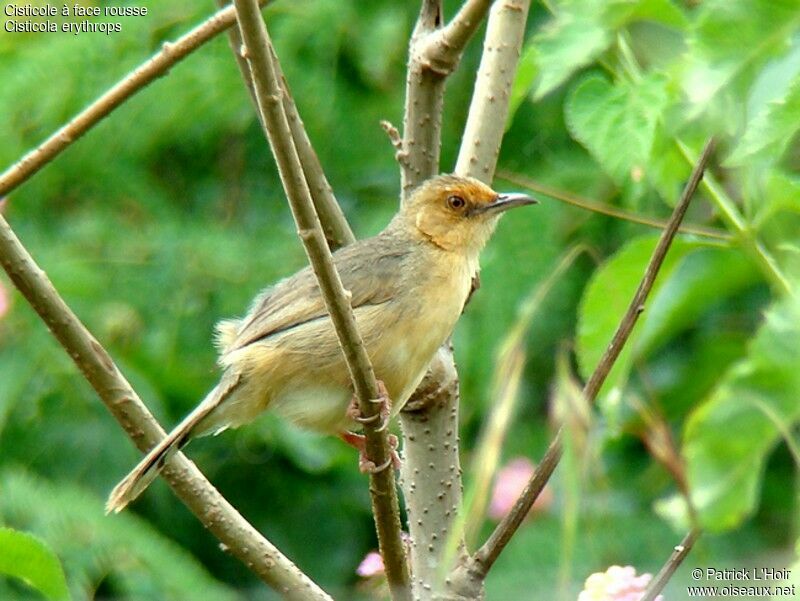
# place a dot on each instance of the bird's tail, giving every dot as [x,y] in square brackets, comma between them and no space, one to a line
[151,465]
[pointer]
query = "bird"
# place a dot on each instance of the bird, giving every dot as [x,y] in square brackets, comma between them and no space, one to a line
[408,285]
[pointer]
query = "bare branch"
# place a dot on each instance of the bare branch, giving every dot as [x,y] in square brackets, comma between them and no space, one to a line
[422,125]
[431,436]
[431,472]
[422,117]
[212,509]
[156,66]
[396,140]
[434,53]
[488,110]
[259,54]
[481,562]
[337,230]
[679,553]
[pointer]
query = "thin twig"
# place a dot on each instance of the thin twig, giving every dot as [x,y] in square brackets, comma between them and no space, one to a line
[607,209]
[334,223]
[156,66]
[679,553]
[488,108]
[273,116]
[485,557]
[729,213]
[396,140]
[212,509]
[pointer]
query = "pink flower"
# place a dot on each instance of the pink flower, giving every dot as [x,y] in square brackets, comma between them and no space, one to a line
[510,482]
[5,302]
[617,583]
[371,565]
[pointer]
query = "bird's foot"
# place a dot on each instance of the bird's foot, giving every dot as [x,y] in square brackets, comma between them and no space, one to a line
[383,413]
[366,466]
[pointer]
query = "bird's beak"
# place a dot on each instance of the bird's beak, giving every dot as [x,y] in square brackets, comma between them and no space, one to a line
[503,202]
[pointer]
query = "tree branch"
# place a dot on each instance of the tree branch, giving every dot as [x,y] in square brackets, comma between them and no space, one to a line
[488,110]
[478,566]
[212,509]
[156,66]
[334,224]
[443,48]
[269,94]
[431,472]
[434,53]
[431,436]
[679,553]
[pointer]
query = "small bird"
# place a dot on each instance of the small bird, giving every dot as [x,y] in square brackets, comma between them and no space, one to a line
[409,284]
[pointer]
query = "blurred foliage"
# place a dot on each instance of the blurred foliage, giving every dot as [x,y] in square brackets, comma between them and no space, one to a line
[169,215]
[30,559]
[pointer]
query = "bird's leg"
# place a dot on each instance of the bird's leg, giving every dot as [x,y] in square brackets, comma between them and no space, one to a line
[365,466]
[358,441]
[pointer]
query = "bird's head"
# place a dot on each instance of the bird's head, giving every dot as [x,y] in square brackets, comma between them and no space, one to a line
[457,213]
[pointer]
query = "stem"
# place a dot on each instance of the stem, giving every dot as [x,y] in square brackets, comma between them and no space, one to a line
[156,66]
[607,209]
[431,432]
[488,110]
[431,470]
[479,564]
[269,92]
[680,552]
[212,509]
[334,223]
[735,221]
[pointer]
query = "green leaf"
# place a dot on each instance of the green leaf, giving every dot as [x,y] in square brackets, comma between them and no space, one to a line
[607,297]
[768,134]
[126,553]
[730,36]
[658,11]
[28,558]
[667,170]
[583,29]
[569,42]
[704,279]
[728,438]
[617,123]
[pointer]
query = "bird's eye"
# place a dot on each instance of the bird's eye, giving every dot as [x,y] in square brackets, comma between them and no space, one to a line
[455,202]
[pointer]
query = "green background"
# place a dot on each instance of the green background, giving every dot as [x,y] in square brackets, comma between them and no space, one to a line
[169,216]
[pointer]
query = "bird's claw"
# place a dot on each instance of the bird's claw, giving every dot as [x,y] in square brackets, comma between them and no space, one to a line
[383,414]
[365,465]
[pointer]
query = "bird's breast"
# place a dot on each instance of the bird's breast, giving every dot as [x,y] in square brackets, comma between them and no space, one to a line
[420,320]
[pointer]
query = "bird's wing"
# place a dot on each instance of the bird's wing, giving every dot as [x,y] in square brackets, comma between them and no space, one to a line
[370,270]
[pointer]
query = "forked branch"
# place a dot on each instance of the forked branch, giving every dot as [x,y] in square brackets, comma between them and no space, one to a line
[269,92]
[430,422]
[434,52]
